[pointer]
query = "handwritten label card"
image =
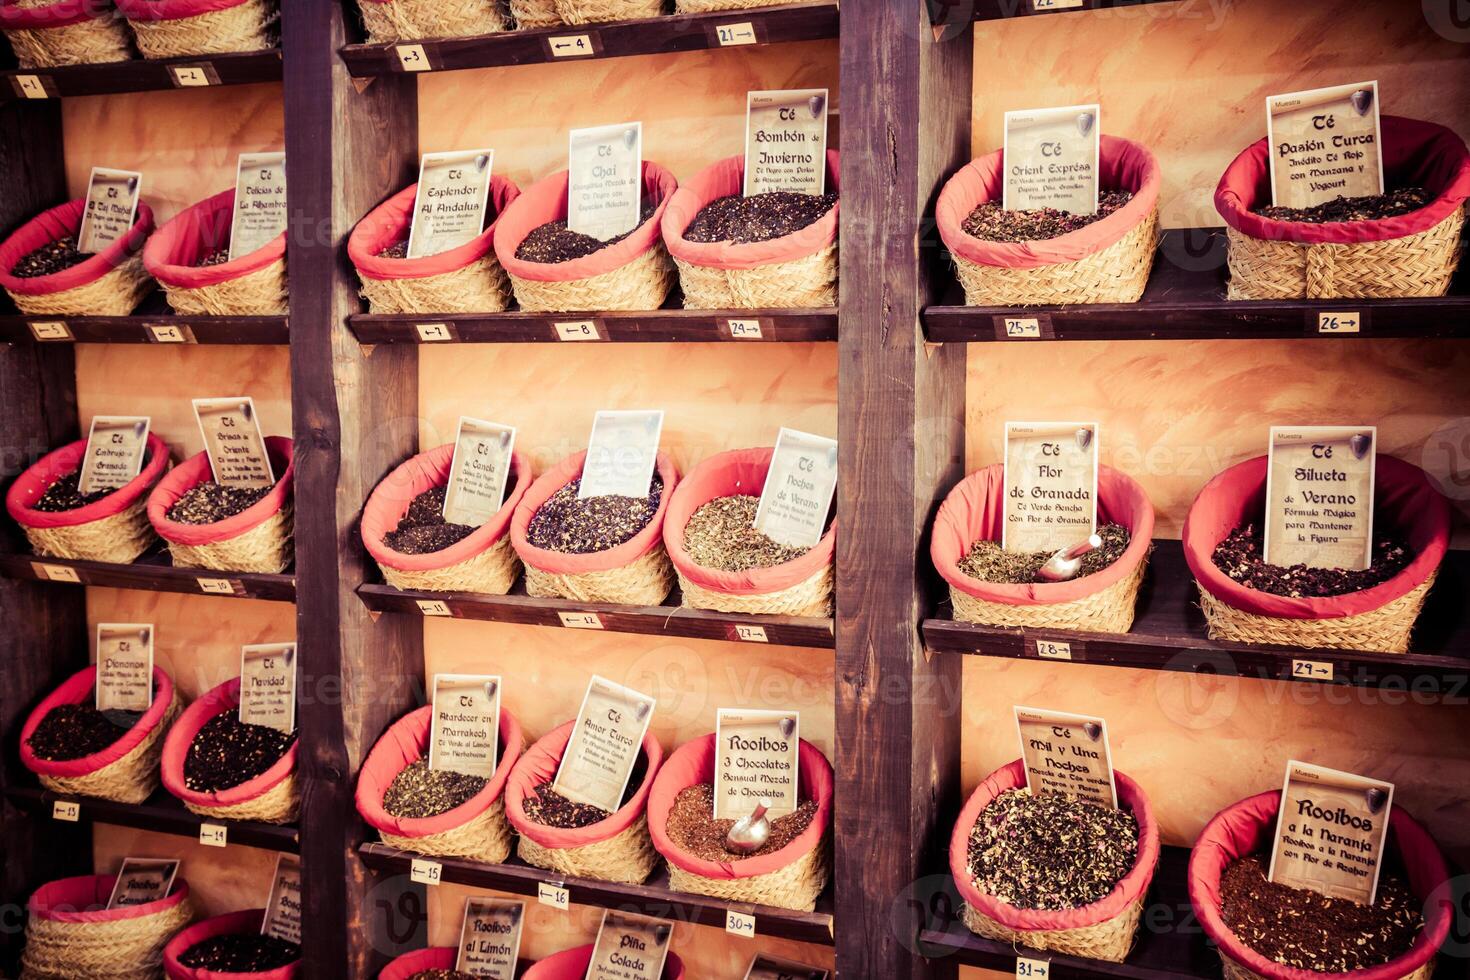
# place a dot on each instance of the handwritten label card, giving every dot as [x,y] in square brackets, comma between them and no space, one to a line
[1330,832]
[1319,496]
[629,947]
[1324,144]
[112,204]
[606,741]
[114,453]
[283,908]
[605,180]
[490,937]
[1050,485]
[268,685]
[798,491]
[260,202]
[622,454]
[1066,753]
[763,967]
[465,735]
[757,757]
[124,666]
[786,141]
[142,880]
[450,204]
[231,431]
[1051,159]
[479,472]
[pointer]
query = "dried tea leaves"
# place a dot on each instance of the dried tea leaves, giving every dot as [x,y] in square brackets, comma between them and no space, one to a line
[550,808]
[988,562]
[758,218]
[240,952]
[1370,208]
[418,791]
[49,259]
[210,502]
[721,534]
[217,257]
[398,250]
[422,529]
[993,223]
[694,830]
[65,495]
[578,527]
[555,242]
[1241,556]
[72,731]
[227,752]
[442,975]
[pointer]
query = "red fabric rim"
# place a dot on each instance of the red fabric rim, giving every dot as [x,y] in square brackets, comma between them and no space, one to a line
[172,9]
[561,563]
[173,254]
[83,899]
[1128,889]
[63,13]
[723,179]
[539,764]
[61,222]
[571,964]
[412,963]
[176,744]
[31,484]
[1245,827]
[196,470]
[73,691]
[245,921]
[388,223]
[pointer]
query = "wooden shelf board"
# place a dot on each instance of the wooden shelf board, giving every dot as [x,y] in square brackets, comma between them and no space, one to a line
[153,572]
[654,898]
[142,75]
[138,328]
[945,11]
[669,325]
[1169,634]
[161,813]
[1185,300]
[666,620]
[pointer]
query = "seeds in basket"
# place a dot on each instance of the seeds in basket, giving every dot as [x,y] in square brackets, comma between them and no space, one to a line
[988,562]
[759,218]
[551,809]
[991,222]
[418,791]
[721,534]
[50,258]
[398,250]
[442,975]
[1373,207]
[240,952]
[210,502]
[63,495]
[555,242]
[578,527]
[422,529]
[693,829]
[1241,556]
[218,256]
[73,731]
[228,752]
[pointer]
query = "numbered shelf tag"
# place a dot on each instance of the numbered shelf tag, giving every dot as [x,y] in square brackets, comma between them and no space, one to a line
[577,330]
[573,46]
[425,872]
[170,333]
[216,586]
[214,835]
[730,35]
[201,75]
[1053,649]
[434,333]
[1312,670]
[49,330]
[580,620]
[740,924]
[33,86]
[1029,969]
[434,607]
[1339,322]
[744,329]
[56,573]
[413,57]
[554,895]
[751,634]
[66,810]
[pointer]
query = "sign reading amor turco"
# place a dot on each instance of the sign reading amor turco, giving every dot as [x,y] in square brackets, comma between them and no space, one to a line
[605,743]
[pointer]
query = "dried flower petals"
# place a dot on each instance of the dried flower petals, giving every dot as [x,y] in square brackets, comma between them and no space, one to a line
[993,223]
[1242,557]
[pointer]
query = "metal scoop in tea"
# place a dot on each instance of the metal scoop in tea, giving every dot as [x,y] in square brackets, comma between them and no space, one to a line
[750,833]
[1065,564]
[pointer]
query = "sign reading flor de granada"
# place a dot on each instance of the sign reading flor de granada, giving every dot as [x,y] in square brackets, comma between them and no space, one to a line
[1324,144]
[786,141]
[1319,496]
[232,438]
[757,755]
[1051,159]
[1050,485]
[1066,753]
[1330,832]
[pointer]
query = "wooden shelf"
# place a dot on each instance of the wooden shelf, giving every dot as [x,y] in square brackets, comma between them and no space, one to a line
[140,75]
[161,812]
[669,325]
[1169,634]
[617,39]
[154,322]
[654,898]
[945,11]
[153,572]
[1185,300]
[670,619]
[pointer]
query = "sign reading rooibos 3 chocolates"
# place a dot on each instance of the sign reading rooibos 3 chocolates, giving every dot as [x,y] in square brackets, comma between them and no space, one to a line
[111,206]
[464,736]
[786,141]
[490,937]
[483,453]
[142,880]
[283,909]
[1050,485]
[1066,753]
[621,454]
[629,947]
[124,666]
[763,967]
[606,740]
[1319,496]
[757,755]
[605,180]
[797,494]
[114,453]
[232,438]
[449,206]
[1330,832]
[1324,144]
[1051,159]
[260,202]
[268,685]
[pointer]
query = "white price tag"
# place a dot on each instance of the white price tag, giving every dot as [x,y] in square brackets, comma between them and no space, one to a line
[745,329]
[50,330]
[216,586]
[578,330]
[732,34]
[751,634]
[1312,670]
[191,76]
[425,872]
[66,810]
[580,621]
[56,573]
[1339,322]
[431,333]
[740,924]
[1041,7]
[434,607]
[571,46]
[1053,650]
[1029,969]
[412,57]
[168,333]
[31,86]
[214,835]
[1022,328]
[550,893]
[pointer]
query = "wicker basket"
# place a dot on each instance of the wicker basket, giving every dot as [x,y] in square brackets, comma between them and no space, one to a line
[602,11]
[71,934]
[389,21]
[709,6]
[572,964]
[250,285]
[111,283]
[531,14]
[189,28]
[45,38]
[244,922]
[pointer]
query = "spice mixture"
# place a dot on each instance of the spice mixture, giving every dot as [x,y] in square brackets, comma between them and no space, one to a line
[218,257]
[49,259]
[1050,852]
[987,561]
[578,527]
[210,502]
[694,831]
[1369,208]
[419,791]
[555,242]
[757,218]
[240,952]
[442,975]
[71,731]
[550,808]
[1302,929]
[721,534]
[1241,556]
[227,752]
[64,495]
[422,529]
[993,223]
[398,250]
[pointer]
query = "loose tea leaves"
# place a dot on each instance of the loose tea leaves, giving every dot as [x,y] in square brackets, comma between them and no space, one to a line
[988,562]
[217,257]
[442,975]
[555,242]
[1303,929]
[72,731]
[693,829]
[578,527]
[1371,208]
[993,223]
[1050,852]
[227,752]
[49,259]
[240,952]
[721,534]
[210,502]
[418,791]
[422,529]
[1241,556]
[550,808]
[398,250]
[757,218]
[65,495]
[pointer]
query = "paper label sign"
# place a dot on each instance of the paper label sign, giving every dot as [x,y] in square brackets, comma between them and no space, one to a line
[605,744]
[763,967]
[465,735]
[1324,144]
[1051,159]
[231,431]
[114,453]
[483,454]
[605,180]
[629,947]
[621,454]
[490,937]
[786,141]
[1050,485]
[449,206]
[124,666]
[1066,754]
[268,685]
[112,204]
[260,202]
[797,495]
[142,880]
[757,754]
[283,908]
[1330,832]
[1319,496]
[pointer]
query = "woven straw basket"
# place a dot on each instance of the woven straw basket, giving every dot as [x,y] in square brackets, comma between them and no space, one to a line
[267,547]
[794,886]
[119,539]
[480,287]
[122,948]
[116,293]
[131,779]
[491,572]
[646,581]
[627,856]
[601,11]
[484,837]
[258,293]
[247,26]
[642,284]
[810,597]
[810,281]
[531,14]
[92,41]
[1110,940]
[1386,629]
[1109,610]
[706,6]
[400,20]
[279,804]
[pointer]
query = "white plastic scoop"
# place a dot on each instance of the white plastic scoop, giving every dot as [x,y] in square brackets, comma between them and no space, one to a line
[1065,564]
[750,833]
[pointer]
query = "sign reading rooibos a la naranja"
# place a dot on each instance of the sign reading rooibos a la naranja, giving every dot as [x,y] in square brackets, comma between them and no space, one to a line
[1330,832]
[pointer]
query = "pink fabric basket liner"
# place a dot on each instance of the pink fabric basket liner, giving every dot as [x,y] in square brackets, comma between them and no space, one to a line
[176,744]
[63,13]
[196,470]
[30,485]
[1407,502]
[74,690]
[1132,886]
[60,222]
[412,963]
[172,9]
[571,964]
[1246,828]
[173,254]
[388,223]
[229,924]
[83,900]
